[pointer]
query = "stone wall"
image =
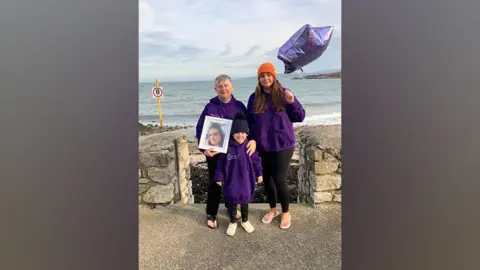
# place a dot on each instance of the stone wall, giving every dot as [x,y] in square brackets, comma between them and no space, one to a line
[167,167]
[199,177]
[320,166]
[164,170]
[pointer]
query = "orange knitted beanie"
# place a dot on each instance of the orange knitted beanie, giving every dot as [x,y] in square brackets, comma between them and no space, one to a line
[267,67]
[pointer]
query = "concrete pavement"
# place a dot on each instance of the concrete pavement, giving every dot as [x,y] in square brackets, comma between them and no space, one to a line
[178,238]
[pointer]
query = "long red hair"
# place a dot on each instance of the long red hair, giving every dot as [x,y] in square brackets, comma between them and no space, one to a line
[261,100]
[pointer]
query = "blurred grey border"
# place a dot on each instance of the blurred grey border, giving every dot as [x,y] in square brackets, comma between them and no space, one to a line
[68,114]
[68,109]
[411,107]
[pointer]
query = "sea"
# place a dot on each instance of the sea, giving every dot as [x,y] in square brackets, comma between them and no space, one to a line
[183,102]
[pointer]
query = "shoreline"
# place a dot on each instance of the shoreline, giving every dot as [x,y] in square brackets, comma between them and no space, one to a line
[195,156]
[189,131]
[148,129]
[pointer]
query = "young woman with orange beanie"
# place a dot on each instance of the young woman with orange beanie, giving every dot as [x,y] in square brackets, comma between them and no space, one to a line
[272,110]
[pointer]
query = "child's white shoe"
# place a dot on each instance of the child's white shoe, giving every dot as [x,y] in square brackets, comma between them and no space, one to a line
[232,227]
[248,227]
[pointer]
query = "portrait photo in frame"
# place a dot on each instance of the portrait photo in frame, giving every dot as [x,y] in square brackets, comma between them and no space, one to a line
[215,134]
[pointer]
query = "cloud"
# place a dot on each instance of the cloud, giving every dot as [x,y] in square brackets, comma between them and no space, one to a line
[252,50]
[196,40]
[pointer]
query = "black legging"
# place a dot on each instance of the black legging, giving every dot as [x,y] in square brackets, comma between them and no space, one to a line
[214,192]
[232,212]
[275,168]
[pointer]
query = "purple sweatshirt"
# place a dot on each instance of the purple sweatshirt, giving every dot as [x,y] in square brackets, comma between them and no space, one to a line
[218,108]
[272,130]
[238,173]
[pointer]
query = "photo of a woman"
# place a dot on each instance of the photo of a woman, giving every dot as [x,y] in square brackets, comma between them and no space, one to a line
[215,135]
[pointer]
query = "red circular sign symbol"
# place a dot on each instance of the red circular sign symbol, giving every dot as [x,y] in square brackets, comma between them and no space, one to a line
[157,92]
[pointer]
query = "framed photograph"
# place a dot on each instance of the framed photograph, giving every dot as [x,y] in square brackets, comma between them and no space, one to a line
[215,134]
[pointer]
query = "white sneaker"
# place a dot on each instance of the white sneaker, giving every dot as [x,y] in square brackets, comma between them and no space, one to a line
[232,227]
[248,227]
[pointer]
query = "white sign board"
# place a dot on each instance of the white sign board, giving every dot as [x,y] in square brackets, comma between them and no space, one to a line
[157,92]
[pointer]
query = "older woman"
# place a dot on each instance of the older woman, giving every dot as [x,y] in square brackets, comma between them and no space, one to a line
[271,111]
[223,105]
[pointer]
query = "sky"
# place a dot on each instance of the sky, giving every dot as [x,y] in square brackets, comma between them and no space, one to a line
[188,40]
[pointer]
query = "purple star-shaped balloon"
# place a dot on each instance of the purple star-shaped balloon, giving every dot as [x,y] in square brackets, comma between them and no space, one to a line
[304,47]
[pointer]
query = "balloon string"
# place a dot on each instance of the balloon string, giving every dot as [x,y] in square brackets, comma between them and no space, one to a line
[300,74]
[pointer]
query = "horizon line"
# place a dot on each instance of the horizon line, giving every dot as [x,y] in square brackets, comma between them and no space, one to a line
[242,78]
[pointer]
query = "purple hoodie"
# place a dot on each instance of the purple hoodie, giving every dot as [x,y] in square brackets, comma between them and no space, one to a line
[218,108]
[238,173]
[273,131]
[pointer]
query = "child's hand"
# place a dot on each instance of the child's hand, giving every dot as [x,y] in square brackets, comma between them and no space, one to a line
[260,179]
[219,183]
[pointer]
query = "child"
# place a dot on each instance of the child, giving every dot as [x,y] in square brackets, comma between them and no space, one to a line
[237,173]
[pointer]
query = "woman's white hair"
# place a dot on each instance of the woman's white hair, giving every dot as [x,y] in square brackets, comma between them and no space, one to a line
[222,77]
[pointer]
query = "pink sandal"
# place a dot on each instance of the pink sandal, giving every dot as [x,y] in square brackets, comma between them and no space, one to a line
[268,217]
[288,223]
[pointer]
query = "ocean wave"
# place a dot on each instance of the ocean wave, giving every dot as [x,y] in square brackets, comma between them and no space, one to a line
[320,104]
[334,118]
[185,116]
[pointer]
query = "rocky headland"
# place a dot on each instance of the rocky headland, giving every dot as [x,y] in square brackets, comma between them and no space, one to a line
[332,75]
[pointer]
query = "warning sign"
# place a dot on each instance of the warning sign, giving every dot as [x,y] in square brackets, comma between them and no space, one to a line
[157,92]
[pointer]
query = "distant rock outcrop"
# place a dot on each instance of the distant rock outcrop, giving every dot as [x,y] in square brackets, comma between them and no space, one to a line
[332,75]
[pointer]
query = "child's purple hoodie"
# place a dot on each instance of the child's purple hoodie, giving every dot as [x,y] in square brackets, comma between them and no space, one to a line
[238,173]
